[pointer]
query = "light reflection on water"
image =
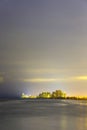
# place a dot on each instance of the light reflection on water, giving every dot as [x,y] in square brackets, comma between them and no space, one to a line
[43,115]
[44,123]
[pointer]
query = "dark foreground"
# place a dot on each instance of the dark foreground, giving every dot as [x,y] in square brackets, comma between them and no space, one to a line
[43,115]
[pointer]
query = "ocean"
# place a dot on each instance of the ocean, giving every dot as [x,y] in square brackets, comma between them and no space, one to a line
[43,114]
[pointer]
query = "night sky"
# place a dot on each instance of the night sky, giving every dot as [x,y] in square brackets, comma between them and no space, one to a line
[43,46]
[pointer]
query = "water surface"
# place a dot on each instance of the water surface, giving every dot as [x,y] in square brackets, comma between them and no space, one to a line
[40,114]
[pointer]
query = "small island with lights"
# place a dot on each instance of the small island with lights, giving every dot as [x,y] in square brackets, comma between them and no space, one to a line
[57,94]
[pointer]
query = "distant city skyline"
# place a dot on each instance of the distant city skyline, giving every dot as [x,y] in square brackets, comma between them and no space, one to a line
[43,46]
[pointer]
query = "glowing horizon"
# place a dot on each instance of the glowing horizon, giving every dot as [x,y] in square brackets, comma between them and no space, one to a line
[43,44]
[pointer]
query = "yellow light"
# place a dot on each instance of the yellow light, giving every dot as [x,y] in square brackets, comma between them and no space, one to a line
[66,79]
[82,78]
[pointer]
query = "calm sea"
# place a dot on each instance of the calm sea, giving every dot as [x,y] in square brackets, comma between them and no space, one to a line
[50,114]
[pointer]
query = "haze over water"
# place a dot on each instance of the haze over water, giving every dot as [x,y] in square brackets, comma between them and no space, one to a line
[45,114]
[43,46]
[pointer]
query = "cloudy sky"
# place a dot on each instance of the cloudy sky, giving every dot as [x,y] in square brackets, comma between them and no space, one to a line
[43,46]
